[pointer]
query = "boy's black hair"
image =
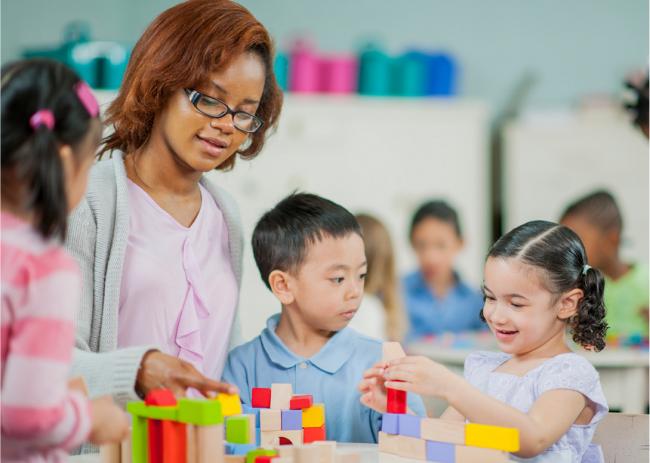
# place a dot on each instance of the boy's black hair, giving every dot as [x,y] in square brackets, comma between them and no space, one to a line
[559,253]
[282,236]
[598,208]
[31,155]
[438,210]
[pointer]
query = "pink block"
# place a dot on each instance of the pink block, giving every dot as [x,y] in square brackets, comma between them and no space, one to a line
[339,74]
[304,70]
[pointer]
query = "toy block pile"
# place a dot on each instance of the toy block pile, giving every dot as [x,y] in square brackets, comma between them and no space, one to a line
[287,419]
[316,452]
[441,441]
[166,430]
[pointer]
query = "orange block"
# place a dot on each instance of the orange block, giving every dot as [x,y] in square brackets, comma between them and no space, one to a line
[174,442]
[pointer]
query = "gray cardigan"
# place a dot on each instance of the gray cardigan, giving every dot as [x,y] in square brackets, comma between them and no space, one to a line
[97,236]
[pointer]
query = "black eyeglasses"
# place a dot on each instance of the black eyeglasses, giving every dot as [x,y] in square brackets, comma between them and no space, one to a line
[215,108]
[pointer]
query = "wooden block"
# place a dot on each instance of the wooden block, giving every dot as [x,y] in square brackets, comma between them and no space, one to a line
[392,351]
[314,416]
[191,456]
[443,430]
[261,397]
[110,453]
[492,437]
[125,449]
[284,451]
[396,401]
[281,396]
[155,440]
[210,444]
[139,443]
[160,398]
[78,383]
[388,443]
[347,458]
[327,451]
[240,429]
[441,452]
[314,434]
[409,425]
[300,402]
[306,454]
[174,444]
[230,404]
[270,420]
[291,420]
[479,455]
[254,455]
[278,438]
[199,412]
[410,447]
[390,423]
[234,459]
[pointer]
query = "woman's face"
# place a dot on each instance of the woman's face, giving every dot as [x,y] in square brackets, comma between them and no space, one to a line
[203,143]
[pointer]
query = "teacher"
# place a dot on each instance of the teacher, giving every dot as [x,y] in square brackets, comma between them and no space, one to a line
[160,246]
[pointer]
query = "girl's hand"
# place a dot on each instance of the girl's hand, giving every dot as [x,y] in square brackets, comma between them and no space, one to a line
[419,375]
[158,370]
[373,391]
[109,423]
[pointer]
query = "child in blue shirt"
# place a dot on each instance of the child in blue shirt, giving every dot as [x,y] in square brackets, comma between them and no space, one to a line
[310,254]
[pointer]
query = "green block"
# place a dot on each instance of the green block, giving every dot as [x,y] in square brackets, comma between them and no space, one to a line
[250,456]
[238,429]
[152,412]
[199,412]
[139,440]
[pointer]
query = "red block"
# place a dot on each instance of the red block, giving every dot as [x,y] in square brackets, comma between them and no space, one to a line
[264,459]
[261,397]
[300,402]
[313,434]
[174,446]
[396,402]
[155,441]
[160,398]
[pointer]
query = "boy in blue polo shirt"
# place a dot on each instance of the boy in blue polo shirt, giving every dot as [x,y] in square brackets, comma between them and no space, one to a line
[310,254]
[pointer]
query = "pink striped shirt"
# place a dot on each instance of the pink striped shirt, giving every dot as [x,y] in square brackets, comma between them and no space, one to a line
[41,419]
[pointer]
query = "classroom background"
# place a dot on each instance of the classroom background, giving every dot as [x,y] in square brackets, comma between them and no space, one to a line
[508,110]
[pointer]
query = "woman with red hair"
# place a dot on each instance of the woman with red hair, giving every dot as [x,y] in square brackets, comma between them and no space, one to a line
[160,246]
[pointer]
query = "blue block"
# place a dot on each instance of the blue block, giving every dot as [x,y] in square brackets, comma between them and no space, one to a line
[239,449]
[389,423]
[248,410]
[441,452]
[409,425]
[292,420]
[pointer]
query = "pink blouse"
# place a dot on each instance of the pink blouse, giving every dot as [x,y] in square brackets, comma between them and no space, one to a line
[178,288]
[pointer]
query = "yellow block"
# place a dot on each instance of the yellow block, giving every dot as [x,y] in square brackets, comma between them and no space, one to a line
[492,437]
[230,404]
[314,416]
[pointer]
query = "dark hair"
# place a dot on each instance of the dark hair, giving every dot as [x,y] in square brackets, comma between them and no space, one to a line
[599,209]
[179,49]
[438,210]
[30,156]
[282,235]
[559,253]
[638,104]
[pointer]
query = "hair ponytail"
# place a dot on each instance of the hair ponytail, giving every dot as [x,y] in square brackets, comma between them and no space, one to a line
[588,326]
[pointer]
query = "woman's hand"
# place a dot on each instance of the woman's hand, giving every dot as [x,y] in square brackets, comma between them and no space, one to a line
[373,392]
[109,424]
[158,370]
[419,375]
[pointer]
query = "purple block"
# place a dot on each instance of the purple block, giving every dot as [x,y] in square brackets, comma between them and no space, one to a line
[409,425]
[389,423]
[292,420]
[441,452]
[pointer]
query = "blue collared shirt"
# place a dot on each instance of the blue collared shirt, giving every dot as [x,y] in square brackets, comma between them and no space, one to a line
[331,377]
[428,314]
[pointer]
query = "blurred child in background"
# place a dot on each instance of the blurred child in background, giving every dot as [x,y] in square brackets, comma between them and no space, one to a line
[597,219]
[381,314]
[436,298]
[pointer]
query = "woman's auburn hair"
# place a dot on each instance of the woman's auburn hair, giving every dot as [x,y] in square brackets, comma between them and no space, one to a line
[179,49]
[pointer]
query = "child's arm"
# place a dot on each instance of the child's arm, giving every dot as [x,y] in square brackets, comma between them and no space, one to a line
[452,414]
[548,419]
[373,391]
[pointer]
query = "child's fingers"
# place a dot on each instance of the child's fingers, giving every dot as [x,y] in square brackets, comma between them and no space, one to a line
[373,372]
[399,385]
[399,374]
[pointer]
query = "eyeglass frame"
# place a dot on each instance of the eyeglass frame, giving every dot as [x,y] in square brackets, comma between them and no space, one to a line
[195,95]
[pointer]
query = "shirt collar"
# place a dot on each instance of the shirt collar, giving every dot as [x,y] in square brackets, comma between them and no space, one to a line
[334,354]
